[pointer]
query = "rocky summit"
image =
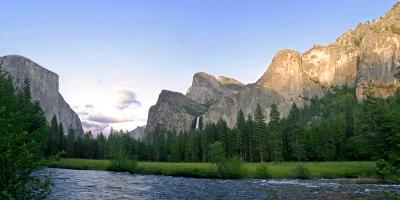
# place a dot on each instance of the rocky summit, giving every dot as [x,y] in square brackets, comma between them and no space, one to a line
[367,57]
[44,89]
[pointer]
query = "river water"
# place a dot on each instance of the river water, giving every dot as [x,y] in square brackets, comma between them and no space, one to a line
[92,184]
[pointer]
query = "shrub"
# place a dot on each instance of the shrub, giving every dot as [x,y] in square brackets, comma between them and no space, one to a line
[123,165]
[196,109]
[387,171]
[230,168]
[395,29]
[262,171]
[301,172]
[357,40]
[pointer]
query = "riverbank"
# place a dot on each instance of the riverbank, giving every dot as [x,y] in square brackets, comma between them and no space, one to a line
[347,169]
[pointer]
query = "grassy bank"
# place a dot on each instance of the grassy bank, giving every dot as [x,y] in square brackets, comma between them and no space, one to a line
[348,169]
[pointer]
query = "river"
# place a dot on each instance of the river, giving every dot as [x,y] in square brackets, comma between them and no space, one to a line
[92,184]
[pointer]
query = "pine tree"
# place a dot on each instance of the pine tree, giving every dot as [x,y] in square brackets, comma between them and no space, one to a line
[53,137]
[296,133]
[101,145]
[87,144]
[193,147]
[158,143]
[231,150]
[260,133]
[61,138]
[370,127]
[204,144]
[70,146]
[275,134]
[250,139]
[242,135]
[222,134]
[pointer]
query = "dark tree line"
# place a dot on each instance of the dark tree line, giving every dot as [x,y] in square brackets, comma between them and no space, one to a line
[335,127]
[118,144]
[323,130]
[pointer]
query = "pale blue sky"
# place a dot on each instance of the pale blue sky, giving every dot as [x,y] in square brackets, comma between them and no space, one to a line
[100,48]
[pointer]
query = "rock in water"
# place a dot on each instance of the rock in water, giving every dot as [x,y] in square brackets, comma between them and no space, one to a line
[44,89]
[367,58]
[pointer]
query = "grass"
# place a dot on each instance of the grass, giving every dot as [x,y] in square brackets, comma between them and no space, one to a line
[197,170]
[72,163]
[347,169]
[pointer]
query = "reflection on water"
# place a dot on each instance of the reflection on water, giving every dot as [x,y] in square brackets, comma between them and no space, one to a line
[91,184]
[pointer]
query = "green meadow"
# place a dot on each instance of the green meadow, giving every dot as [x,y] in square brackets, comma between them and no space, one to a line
[345,169]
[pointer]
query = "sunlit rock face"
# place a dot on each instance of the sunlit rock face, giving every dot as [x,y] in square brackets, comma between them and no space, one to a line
[44,89]
[332,65]
[378,63]
[378,46]
[367,58]
[206,89]
[284,81]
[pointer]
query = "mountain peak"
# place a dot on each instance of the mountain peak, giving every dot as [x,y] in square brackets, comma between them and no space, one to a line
[366,58]
[44,88]
[15,60]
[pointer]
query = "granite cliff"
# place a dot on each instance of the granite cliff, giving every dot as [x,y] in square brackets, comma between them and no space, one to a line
[367,57]
[44,89]
[138,132]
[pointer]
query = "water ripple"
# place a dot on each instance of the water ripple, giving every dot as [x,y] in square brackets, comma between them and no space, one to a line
[92,184]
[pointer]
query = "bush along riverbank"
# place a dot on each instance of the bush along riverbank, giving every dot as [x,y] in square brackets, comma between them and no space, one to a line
[230,168]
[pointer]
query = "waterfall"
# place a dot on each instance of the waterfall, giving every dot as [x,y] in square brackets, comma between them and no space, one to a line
[197,123]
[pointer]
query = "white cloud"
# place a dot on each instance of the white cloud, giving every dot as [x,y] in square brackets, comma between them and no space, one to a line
[119,108]
[93,126]
[126,99]
[99,118]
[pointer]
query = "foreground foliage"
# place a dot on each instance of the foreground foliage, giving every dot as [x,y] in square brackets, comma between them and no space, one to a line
[230,168]
[301,172]
[23,130]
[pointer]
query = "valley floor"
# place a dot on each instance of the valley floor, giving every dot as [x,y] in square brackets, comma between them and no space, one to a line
[345,169]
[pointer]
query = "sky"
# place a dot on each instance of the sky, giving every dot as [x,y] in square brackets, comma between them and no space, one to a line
[114,57]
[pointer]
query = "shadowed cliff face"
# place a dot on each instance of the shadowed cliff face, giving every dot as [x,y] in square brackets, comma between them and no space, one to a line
[44,89]
[173,110]
[367,58]
[138,132]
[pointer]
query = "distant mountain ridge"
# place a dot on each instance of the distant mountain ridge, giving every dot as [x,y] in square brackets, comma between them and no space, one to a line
[44,88]
[367,58]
